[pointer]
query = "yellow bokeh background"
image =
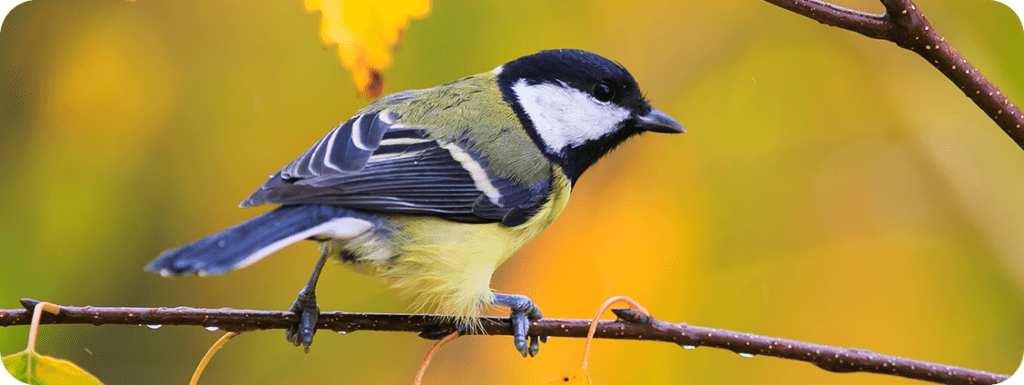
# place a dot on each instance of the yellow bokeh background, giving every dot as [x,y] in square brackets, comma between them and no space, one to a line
[831,188]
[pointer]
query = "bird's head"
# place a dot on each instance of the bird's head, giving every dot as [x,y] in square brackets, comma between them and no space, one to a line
[577,105]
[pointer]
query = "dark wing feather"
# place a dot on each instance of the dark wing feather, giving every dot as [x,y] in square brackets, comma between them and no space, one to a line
[373,163]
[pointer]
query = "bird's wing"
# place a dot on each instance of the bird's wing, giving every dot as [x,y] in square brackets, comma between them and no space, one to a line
[374,163]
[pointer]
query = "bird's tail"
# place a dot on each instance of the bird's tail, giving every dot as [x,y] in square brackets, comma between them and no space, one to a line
[250,241]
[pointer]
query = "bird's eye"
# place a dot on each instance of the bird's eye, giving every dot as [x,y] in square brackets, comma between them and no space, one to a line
[603,92]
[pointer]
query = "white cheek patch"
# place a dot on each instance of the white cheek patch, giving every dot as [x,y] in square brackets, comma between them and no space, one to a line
[566,117]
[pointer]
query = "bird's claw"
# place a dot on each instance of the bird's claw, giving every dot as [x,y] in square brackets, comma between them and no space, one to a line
[523,312]
[301,333]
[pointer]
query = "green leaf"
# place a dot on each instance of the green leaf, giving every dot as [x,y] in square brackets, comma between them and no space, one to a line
[5,379]
[48,370]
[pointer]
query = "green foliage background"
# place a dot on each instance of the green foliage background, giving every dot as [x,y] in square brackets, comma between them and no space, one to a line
[831,188]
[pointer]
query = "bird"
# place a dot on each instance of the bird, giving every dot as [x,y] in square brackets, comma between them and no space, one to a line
[433,189]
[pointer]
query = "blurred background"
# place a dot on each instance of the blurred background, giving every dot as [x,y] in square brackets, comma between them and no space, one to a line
[832,188]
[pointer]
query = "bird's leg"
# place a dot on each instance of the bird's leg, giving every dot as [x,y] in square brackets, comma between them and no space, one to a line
[523,311]
[305,306]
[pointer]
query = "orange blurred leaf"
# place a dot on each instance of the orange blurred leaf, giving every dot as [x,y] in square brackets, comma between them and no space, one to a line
[365,31]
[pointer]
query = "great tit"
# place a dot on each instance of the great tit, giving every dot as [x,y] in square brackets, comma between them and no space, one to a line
[432,189]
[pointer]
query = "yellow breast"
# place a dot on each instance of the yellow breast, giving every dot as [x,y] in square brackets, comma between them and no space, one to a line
[448,265]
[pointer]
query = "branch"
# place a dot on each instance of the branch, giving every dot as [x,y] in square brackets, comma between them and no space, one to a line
[904,24]
[631,325]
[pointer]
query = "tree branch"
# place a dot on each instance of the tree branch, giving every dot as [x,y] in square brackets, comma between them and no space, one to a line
[631,325]
[904,24]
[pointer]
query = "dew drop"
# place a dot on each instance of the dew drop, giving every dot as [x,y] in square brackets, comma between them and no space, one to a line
[211,328]
[221,243]
[689,347]
[746,355]
[154,327]
[342,332]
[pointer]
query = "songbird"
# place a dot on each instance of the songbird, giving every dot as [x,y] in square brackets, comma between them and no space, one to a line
[433,189]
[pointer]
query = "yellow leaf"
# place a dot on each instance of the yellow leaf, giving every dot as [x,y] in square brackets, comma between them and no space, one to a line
[47,370]
[365,31]
[580,377]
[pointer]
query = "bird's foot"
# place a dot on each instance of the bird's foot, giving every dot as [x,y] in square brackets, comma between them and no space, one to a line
[523,311]
[306,308]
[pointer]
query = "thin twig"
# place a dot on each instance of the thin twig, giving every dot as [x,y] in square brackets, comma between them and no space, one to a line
[209,355]
[600,311]
[903,23]
[36,310]
[430,355]
[631,325]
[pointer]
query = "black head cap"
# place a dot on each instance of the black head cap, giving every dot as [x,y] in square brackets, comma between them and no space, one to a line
[604,80]
[581,70]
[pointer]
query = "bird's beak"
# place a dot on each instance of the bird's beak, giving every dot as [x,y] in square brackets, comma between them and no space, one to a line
[657,121]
